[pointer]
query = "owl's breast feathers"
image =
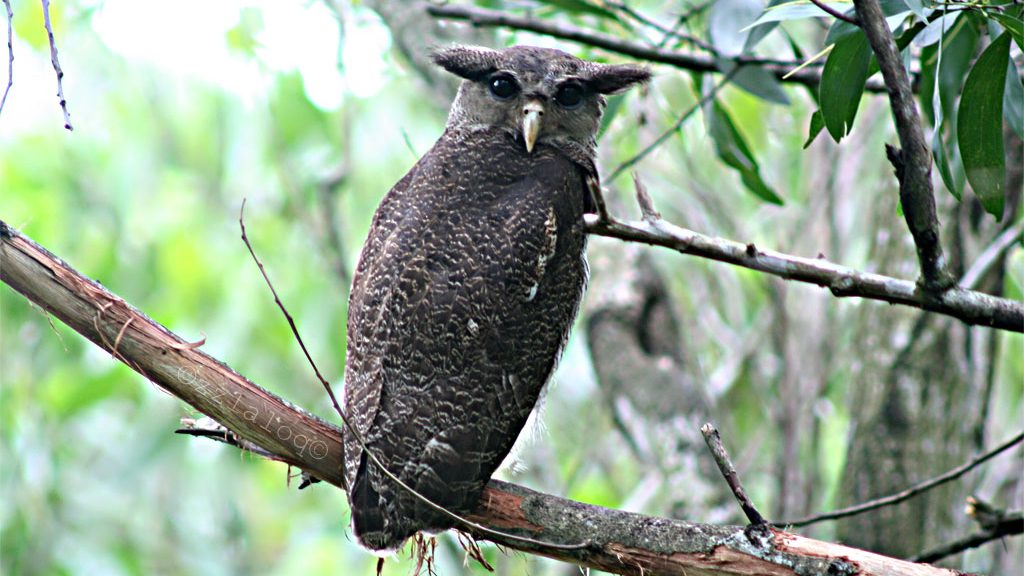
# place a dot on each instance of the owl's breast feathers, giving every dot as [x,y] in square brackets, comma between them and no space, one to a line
[461,304]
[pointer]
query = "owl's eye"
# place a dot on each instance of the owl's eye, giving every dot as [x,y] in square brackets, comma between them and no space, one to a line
[569,95]
[503,86]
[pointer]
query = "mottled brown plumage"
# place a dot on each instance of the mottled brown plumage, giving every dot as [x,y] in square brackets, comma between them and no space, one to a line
[468,283]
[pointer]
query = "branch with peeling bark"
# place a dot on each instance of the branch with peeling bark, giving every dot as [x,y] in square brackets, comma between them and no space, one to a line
[617,541]
[967,305]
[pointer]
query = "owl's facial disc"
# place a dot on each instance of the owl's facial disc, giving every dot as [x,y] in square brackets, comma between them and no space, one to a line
[533,111]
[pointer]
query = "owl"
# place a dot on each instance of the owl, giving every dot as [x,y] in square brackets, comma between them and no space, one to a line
[468,283]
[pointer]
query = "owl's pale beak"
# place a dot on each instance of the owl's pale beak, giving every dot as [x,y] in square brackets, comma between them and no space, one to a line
[532,113]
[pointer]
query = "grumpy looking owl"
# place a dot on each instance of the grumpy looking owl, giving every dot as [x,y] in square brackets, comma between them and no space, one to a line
[468,283]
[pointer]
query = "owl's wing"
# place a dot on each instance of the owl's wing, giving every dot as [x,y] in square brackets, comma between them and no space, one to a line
[363,380]
[462,311]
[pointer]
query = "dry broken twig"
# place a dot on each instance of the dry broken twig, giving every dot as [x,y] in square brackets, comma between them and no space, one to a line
[56,65]
[724,463]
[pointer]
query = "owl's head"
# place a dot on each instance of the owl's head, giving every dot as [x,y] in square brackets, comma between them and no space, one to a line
[539,95]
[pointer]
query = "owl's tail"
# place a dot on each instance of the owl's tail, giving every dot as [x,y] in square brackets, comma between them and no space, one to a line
[369,522]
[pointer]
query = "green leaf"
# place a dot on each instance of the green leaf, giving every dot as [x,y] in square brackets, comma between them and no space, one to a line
[902,41]
[755,80]
[1013,100]
[838,30]
[1012,24]
[917,7]
[752,180]
[933,63]
[759,32]
[842,83]
[817,124]
[242,36]
[958,48]
[728,22]
[734,151]
[936,29]
[894,8]
[980,125]
[950,166]
[797,10]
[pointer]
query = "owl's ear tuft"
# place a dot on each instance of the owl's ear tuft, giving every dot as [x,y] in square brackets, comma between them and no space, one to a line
[469,62]
[615,78]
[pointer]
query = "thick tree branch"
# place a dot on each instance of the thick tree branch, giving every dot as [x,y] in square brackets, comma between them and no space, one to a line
[256,415]
[620,542]
[494,18]
[969,306]
[914,162]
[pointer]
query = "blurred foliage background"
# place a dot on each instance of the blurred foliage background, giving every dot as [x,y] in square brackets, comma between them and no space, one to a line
[309,112]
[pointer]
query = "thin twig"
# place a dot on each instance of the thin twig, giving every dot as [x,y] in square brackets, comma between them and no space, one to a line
[629,163]
[643,199]
[909,492]
[666,32]
[697,63]
[991,254]
[288,316]
[358,437]
[326,195]
[328,188]
[207,427]
[714,441]
[56,65]
[683,18]
[1010,525]
[10,54]
[835,13]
